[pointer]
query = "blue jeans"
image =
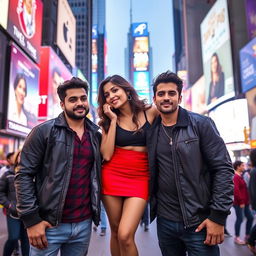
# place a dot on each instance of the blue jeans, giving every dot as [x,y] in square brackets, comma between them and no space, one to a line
[103,217]
[175,240]
[69,238]
[16,231]
[240,212]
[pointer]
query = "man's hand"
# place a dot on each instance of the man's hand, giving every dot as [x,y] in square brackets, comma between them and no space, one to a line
[36,234]
[215,232]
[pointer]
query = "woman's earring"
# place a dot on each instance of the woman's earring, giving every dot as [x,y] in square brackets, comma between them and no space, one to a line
[129,97]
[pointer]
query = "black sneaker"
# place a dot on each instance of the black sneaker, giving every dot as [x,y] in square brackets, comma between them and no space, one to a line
[226,233]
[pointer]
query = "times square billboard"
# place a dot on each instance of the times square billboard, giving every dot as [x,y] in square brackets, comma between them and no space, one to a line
[4,4]
[53,73]
[25,25]
[23,98]
[217,56]
[140,60]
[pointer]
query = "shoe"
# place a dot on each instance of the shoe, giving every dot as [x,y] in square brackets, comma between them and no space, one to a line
[146,228]
[239,241]
[16,252]
[252,249]
[103,232]
[94,228]
[226,233]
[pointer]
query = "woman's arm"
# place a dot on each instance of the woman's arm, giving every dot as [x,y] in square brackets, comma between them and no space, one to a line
[152,113]
[108,138]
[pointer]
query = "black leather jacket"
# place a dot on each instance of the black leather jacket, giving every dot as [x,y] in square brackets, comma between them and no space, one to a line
[202,167]
[44,172]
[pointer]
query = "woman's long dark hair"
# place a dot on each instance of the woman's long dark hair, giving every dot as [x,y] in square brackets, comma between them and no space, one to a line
[136,104]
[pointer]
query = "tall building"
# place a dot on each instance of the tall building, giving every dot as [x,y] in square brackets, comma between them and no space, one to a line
[82,10]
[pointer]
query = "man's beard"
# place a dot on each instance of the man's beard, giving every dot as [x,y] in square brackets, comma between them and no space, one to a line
[72,115]
[168,111]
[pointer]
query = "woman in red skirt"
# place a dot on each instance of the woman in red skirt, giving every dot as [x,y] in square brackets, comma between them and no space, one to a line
[125,176]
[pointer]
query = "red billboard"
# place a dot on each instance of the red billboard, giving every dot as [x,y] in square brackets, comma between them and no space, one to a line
[23,93]
[25,25]
[53,72]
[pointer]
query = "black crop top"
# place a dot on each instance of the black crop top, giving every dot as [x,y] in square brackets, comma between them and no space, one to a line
[132,138]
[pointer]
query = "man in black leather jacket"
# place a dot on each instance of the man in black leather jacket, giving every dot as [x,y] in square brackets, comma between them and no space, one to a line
[58,181]
[191,175]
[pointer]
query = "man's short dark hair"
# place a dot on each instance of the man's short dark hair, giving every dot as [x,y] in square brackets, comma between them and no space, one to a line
[73,83]
[253,157]
[167,77]
[236,164]
[9,155]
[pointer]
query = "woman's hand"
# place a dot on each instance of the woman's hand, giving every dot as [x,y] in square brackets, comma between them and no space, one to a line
[108,112]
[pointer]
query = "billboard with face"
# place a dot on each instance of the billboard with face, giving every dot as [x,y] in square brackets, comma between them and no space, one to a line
[25,25]
[23,96]
[216,52]
[248,65]
[251,100]
[3,48]
[66,31]
[53,73]
[4,4]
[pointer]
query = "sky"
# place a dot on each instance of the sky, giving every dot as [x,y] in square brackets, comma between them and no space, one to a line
[158,15]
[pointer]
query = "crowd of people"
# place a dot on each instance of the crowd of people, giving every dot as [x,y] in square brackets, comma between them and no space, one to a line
[160,154]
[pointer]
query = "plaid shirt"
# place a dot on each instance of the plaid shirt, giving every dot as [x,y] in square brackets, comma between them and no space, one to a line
[78,203]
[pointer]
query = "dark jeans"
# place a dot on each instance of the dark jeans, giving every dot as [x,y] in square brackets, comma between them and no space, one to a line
[252,237]
[175,240]
[240,212]
[145,217]
[16,231]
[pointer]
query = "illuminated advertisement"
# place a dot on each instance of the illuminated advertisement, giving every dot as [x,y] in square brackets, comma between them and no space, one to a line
[198,96]
[251,100]
[248,65]
[53,73]
[141,85]
[23,93]
[216,53]
[3,43]
[140,29]
[187,99]
[140,54]
[4,4]
[226,119]
[66,31]
[25,25]
[94,49]
[94,89]
[251,17]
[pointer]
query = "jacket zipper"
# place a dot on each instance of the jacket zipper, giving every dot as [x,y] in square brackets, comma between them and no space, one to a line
[64,189]
[176,173]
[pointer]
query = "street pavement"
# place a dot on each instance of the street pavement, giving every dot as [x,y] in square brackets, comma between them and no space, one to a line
[146,241]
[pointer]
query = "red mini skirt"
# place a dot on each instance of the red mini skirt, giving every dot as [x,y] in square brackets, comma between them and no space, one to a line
[126,174]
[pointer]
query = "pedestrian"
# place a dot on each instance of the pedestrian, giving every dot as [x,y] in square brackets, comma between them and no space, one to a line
[241,203]
[145,219]
[103,221]
[58,186]
[124,119]
[191,175]
[15,227]
[252,193]
[10,162]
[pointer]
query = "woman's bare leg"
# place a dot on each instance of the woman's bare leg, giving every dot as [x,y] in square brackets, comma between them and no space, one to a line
[113,206]
[133,209]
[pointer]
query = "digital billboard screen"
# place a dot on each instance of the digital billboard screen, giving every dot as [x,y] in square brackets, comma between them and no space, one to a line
[3,48]
[66,31]
[248,65]
[251,100]
[216,53]
[140,54]
[230,119]
[23,96]
[4,4]
[53,73]
[25,25]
